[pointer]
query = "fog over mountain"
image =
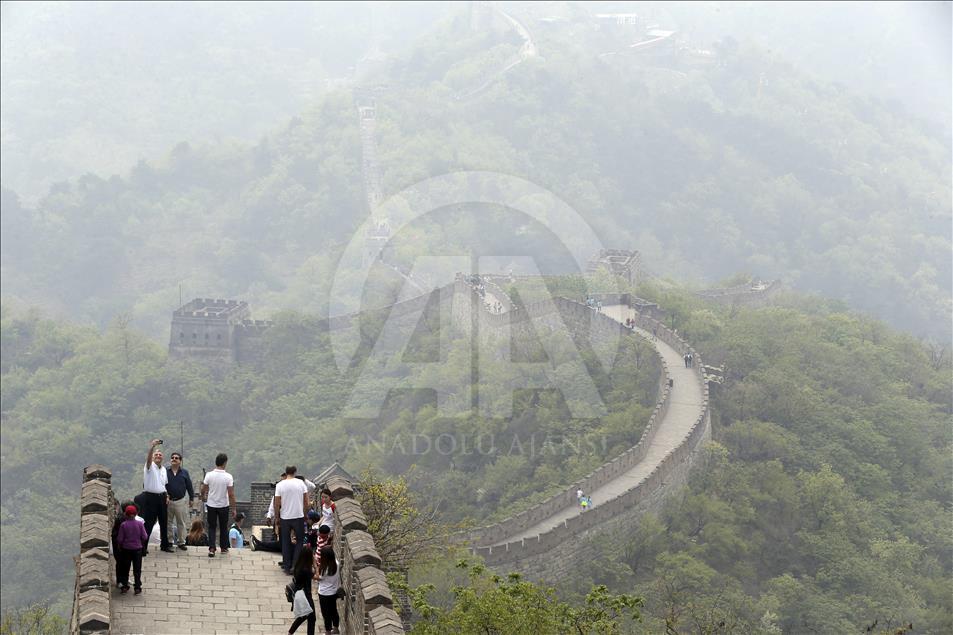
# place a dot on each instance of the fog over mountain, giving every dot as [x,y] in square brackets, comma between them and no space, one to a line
[152,152]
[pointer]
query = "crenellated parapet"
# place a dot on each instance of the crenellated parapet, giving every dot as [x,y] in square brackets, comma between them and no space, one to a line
[94,565]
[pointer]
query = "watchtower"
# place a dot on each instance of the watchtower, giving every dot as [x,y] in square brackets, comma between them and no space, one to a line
[619,262]
[205,327]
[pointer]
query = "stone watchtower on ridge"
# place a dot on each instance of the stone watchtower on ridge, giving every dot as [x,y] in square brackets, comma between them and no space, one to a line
[620,262]
[207,328]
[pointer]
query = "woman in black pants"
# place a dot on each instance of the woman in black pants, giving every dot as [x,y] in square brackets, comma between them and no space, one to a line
[329,581]
[303,572]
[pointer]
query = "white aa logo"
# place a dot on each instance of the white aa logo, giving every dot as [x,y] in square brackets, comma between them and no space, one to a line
[455,392]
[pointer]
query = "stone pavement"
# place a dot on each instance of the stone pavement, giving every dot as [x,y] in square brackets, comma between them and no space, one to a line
[188,592]
[685,406]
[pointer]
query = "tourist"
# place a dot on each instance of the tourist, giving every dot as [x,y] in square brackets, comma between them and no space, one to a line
[197,536]
[270,516]
[120,516]
[303,573]
[329,582]
[311,486]
[291,499]
[265,545]
[235,535]
[154,499]
[131,540]
[327,508]
[313,524]
[181,494]
[218,492]
[325,539]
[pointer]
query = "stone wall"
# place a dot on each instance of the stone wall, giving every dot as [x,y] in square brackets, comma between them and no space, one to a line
[746,294]
[94,565]
[533,556]
[368,607]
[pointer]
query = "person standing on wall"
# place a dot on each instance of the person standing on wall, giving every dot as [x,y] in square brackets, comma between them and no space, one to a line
[154,497]
[291,501]
[218,492]
[130,539]
[179,488]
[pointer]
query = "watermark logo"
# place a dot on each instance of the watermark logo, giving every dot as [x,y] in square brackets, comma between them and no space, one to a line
[476,315]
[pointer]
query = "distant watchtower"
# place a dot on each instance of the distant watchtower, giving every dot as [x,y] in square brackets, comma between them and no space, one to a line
[619,262]
[206,328]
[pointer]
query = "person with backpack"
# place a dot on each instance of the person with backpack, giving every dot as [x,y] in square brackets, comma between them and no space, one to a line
[131,539]
[303,573]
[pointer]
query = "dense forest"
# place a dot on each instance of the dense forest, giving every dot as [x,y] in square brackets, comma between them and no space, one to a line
[824,501]
[821,507]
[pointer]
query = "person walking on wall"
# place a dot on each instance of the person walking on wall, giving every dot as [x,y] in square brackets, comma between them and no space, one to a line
[155,500]
[329,583]
[303,573]
[218,492]
[181,494]
[291,501]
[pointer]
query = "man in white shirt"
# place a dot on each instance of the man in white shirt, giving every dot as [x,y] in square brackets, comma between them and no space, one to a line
[291,503]
[155,499]
[218,492]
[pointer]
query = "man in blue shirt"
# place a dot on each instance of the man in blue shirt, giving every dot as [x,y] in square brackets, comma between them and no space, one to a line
[181,494]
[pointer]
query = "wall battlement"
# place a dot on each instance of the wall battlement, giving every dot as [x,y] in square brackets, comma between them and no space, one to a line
[255,587]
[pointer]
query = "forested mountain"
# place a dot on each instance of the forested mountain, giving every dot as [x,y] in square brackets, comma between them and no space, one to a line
[824,505]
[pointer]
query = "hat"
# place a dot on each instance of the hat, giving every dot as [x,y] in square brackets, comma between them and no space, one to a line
[313,515]
[131,510]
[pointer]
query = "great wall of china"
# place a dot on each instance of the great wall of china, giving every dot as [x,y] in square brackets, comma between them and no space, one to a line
[623,488]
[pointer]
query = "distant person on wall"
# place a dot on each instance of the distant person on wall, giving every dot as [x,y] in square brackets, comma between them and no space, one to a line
[579,494]
[197,536]
[154,499]
[218,492]
[327,508]
[291,501]
[179,488]
[131,539]
[329,583]
[235,535]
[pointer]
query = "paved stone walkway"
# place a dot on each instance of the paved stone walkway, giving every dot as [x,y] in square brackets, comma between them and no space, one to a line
[683,411]
[188,592]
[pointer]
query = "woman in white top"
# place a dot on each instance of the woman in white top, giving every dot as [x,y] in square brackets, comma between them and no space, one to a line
[329,581]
